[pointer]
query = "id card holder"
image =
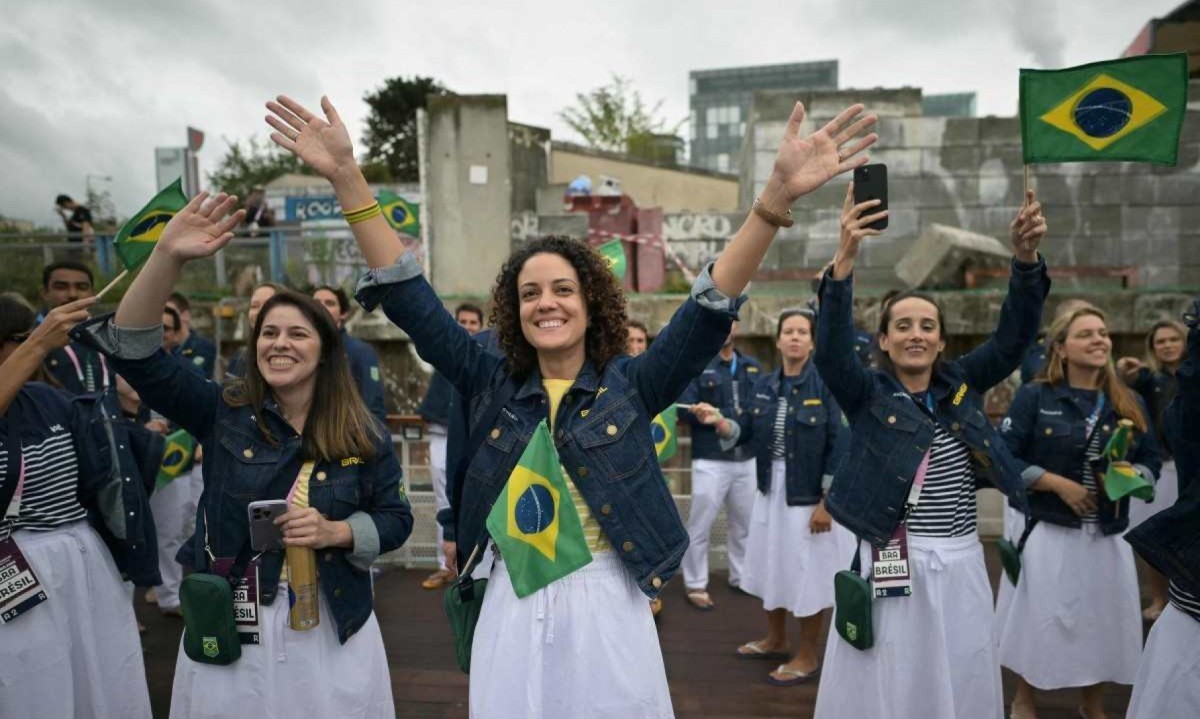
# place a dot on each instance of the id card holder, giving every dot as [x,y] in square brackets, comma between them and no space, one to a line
[20,590]
[890,572]
[247,608]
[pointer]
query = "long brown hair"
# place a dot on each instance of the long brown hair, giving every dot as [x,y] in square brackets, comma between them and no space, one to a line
[338,425]
[1152,361]
[1054,372]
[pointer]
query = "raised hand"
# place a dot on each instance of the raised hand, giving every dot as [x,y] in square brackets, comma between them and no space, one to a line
[803,164]
[52,333]
[322,143]
[854,229]
[1027,229]
[201,228]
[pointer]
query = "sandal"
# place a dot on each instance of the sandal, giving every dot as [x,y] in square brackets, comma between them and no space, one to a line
[795,677]
[754,650]
[700,600]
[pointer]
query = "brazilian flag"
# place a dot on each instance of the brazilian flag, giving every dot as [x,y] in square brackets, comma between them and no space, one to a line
[1130,109]
[1122,480]
[662,433]
[401,214]
[137,237]
[534,521]
[177,457]
[614,256]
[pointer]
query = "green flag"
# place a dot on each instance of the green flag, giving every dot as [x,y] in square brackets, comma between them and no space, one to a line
[534,521]
[614,256]
[662,433]
[1122,480]
[401,214]
[177,457]
[1130,109]
[137,237]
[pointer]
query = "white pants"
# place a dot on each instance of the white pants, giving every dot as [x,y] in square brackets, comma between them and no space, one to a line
[717,482]
[1166,491]
[1168,679]
[78,653]
[437,471]
[174,510]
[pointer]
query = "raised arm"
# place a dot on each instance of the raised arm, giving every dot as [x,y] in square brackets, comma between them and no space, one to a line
[50,335]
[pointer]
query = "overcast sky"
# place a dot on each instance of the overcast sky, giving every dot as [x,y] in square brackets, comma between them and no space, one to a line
[94,87]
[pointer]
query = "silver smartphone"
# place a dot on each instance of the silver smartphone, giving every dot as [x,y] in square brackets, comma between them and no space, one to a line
[264,534]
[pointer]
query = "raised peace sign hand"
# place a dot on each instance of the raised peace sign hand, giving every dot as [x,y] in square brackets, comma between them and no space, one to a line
[322,143]
[201,228]
[803,164]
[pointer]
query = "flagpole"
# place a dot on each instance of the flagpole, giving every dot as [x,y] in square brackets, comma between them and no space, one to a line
[112,284]
[1026,192]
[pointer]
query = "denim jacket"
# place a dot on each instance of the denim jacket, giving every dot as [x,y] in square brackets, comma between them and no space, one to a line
[200,352]
[814,423]
[1157,390]
[1170,540]
[364,368]
[241,463]
[439,401]
[716,386]
[889,434]
[1045,429]
[602,431]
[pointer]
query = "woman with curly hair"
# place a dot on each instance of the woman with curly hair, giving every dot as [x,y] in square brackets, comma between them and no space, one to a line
[584,645]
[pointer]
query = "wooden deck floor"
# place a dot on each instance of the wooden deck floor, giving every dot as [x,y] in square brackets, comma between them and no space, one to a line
[706,679]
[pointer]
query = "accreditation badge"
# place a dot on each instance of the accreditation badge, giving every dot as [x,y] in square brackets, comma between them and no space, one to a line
[890,576]
[20,589]
[246,604]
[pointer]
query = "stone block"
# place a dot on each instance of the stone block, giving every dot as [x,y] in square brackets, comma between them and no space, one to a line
[792,254]
[901,162]
[884,251]
[1095,250]
[1191,125]
[929,191]
[961,131]
[1067,221]
[1073,190]
[1163,221]
[573,225]
[955,160]
[941,253]
[1005,130]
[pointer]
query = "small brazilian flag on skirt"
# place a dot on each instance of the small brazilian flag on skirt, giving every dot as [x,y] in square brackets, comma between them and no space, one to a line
[662,433]
[534,521]
[177,457]
[137,237]
[1120,110]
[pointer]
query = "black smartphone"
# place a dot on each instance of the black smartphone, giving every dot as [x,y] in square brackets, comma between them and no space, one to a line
[870,183]
[264,535]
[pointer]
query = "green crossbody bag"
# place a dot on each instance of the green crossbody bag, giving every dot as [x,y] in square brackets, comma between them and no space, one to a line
[852,599]
[463,600]
[210,633]
[1010,556]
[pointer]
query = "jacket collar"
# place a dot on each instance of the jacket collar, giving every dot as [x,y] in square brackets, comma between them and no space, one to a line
[775,379]
[587,380]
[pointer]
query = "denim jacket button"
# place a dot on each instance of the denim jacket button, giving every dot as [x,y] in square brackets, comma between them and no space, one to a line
[891,419]
[955,426]
[987,443]
[495,433]
[581,472]
[627,546]
[247,453]
[1049,431]
[656,582]
[611,430]
[606,509]
[321,476]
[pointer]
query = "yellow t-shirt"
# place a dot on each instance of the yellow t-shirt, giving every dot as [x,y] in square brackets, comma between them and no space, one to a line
[596,540]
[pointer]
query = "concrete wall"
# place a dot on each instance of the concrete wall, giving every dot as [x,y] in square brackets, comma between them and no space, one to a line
[529,157]
[673,189]
[967,172]
[470,191]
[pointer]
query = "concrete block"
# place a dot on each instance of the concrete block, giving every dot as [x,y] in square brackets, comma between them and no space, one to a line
[1178,188]
[1191,125]
[930,191]
[901,162]
[573,225]
[792,254]
[884,251]
[954,160]
[1163,221]
[1092,250]
[961,131]
[1005,130]
[941,253]
[1068,221]
[1074,190]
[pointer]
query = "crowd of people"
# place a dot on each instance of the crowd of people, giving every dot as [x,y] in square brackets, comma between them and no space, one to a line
[839,469]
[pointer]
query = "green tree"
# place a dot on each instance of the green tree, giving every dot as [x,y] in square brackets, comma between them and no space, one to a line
[252,164]
[614,117]
[391,136]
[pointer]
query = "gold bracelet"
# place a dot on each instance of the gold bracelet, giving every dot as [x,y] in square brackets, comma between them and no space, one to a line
[362,214]
[771,218]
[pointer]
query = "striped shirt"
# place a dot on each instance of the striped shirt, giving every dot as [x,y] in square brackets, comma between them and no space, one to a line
[779,431]
[1184,601]
[49,498]
[946,507]
[1092,451]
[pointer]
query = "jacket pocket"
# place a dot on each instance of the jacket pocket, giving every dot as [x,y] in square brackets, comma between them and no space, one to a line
[246,464]
[617,442]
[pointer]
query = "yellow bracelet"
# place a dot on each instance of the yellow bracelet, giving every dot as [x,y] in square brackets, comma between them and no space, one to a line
[362,214]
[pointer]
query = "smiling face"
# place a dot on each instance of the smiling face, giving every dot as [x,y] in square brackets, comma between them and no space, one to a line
[1086,344]
[913,339]
[553,311]
[288,348]
[257,299]
[469,320]
[1167,344]
[795,341]
[635,343]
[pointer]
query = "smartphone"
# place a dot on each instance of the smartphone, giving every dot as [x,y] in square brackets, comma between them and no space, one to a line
[264,535]
[870,183]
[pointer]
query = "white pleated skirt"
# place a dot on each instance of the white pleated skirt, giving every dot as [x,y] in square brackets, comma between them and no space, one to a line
[1168,679]
[1074,618]
[1166,492]
[77,654]
[934,655]
[290,674]
[787,566]
[583,647]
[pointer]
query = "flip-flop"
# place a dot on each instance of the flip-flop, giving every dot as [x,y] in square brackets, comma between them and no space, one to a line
[754,650]
[796,677]
[699,599]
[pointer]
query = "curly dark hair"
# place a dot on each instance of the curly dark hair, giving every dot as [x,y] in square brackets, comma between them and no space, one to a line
[606,331]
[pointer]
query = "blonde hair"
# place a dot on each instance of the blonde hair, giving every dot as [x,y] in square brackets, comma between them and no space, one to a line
[1054,373]
[1152,360]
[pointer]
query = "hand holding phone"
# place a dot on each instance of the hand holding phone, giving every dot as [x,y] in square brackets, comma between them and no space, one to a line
[870,183]
[265,536]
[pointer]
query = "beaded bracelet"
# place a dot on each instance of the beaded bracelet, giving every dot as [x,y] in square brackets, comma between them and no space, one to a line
[362,214]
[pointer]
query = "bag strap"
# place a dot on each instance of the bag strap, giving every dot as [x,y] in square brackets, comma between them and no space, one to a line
[1030,523]
[856,564]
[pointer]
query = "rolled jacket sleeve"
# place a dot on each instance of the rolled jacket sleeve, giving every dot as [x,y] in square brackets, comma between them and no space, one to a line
[706,294]
[129,343]
[375,283]
[366,540]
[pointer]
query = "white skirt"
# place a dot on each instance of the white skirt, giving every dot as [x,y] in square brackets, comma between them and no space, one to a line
[1075,617]
[583,647]
[1166,492]
[290,674]
[934,655]
[787,566]
[1168,679]
[78,653]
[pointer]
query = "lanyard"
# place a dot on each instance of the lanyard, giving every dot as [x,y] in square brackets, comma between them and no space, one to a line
[1094,417]
[89,382]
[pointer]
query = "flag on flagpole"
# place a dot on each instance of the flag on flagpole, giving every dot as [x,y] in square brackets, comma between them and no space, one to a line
[1121,479]
[614,256]
[534,522]
[177,457]
[662,433]
[137,237]
[401,214]
[1130,109]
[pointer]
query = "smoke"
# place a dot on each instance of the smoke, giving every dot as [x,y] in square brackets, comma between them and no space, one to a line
[1035,28]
